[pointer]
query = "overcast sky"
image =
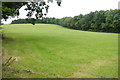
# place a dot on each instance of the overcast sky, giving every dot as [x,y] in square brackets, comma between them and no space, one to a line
[74,7]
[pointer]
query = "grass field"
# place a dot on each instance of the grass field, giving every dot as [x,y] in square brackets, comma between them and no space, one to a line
[51,51]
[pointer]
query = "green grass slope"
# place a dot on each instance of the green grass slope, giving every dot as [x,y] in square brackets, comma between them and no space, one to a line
[51,51]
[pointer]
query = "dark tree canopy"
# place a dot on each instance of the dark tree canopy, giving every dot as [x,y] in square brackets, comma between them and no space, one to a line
[11,9]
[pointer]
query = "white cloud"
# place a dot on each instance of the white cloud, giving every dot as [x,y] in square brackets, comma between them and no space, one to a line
[76,7]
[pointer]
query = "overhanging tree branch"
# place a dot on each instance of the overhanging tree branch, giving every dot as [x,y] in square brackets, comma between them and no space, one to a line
[11,9]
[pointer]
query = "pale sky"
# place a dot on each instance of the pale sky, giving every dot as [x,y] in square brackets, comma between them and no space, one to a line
[74,7]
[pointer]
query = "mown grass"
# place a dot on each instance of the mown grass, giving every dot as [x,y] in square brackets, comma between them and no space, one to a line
[52,51]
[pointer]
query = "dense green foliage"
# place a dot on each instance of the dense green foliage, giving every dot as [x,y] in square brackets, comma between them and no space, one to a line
[52,51]
[11,9]
[100,21]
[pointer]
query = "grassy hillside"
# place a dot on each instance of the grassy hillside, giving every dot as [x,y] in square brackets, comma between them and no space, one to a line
[50,51]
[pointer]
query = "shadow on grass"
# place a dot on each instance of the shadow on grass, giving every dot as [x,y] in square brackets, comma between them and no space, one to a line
[7,38]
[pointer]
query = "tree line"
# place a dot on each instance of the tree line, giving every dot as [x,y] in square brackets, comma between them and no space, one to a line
[98,21]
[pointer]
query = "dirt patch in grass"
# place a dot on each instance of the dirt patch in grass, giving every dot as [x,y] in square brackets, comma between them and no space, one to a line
[86,68]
